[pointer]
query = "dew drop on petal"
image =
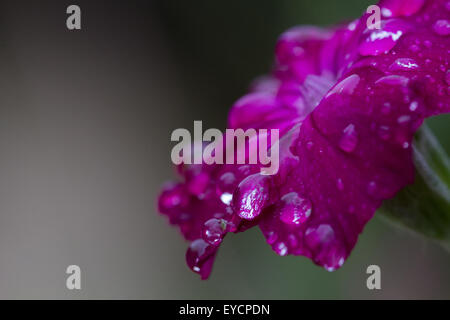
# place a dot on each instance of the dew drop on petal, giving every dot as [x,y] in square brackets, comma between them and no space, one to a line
[346,86]
[386,108]
[340,184]
[294,209]
[349,139]
[226,198]
[442,27]
[251,196]
[384,40]
[271,237]
[428,44]
[393,80]
[413,106]
[281,249]
[414,48]
[334,259]
[323,234]
[372,188]
[403,119]
[293,242]
[403,64]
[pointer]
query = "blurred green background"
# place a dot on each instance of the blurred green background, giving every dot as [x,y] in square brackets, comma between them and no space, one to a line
[218,47]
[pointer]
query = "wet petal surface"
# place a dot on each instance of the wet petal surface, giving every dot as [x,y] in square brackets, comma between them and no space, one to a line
[347,102]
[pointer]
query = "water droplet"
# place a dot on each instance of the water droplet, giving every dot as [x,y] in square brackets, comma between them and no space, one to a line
[226,198]
[386,108]
[214,230]
[372,188]
[281,249]
[323,234]
[251,196]
[414,48]
[199,257]
[393,80]
[383,40]
[386,12]
[403,119]
[271,237]
[403,64]
[346,86]
[379,42]
[294,209]
[293,242]
[352,25]
[340,184]
[413,106]
[442,27]
[349,139]
[384,132]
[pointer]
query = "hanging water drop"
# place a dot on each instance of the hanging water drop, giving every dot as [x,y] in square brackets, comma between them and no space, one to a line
[200,257]
[251,196]
[214,230]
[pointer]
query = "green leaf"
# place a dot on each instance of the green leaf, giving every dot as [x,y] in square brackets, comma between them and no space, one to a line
[424,207]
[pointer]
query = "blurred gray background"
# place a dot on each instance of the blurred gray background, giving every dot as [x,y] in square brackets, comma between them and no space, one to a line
[85,124]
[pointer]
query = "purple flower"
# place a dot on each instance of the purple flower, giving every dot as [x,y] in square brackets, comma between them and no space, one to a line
[347,102]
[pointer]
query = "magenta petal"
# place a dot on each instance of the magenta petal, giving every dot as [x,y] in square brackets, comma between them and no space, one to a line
[345,149]
[252,108]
